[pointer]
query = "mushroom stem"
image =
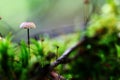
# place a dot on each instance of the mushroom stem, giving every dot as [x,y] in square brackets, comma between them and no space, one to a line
[28,35]
[57,47]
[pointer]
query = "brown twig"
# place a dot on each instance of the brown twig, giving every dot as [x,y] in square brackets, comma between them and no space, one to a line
[68,51]
[66,54]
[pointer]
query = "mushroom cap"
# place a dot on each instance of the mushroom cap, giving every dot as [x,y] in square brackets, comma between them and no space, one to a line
[86,1]
[27,25]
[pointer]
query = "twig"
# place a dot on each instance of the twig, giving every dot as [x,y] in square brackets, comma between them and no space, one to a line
[66,54]
[68,51]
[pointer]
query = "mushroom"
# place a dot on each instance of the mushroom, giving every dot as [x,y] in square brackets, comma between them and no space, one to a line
[1,36]
[0,17]
[28,25]
[0,33]
[86,1]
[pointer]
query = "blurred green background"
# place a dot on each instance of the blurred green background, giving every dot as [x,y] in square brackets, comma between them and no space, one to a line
[46,14]
[97,57]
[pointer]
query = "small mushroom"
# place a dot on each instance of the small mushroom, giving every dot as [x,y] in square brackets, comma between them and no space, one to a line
[0,17]
[57,48]
[86,1]
[28,25]
[0,38]
[0,33]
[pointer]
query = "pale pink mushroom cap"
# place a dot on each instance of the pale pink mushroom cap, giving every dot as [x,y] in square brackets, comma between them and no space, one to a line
[27,25]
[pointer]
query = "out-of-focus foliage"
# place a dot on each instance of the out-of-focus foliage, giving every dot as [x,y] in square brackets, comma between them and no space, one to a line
[17,63]
[99,53]
[98,57]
